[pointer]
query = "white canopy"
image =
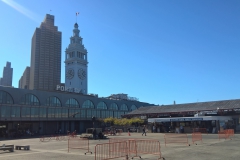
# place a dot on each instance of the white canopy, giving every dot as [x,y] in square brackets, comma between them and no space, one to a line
[182,119]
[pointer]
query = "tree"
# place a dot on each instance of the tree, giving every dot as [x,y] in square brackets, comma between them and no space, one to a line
[123,121]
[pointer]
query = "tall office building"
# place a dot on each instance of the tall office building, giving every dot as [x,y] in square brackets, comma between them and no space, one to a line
[76,64]
[24,80]
[6,80]
[45,69]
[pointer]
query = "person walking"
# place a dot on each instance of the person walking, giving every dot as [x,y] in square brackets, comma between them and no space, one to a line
[94,133]
[144,131]
[129,132]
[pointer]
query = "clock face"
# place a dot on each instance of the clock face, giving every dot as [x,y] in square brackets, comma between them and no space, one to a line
[70,73]
[82,73]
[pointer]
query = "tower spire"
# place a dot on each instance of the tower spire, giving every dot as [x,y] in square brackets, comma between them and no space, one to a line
[77,13]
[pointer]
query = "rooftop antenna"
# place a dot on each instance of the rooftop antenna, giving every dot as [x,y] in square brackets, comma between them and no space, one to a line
[77,13]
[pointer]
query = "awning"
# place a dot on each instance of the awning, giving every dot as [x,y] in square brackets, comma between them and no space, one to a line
[183,119]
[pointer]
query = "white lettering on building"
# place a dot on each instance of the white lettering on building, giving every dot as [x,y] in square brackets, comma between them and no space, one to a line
[69,89]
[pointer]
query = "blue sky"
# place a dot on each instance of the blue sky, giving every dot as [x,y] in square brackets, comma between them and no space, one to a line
[158,51]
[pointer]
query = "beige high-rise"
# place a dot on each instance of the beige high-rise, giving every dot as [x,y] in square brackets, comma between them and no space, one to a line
[45,70]
[24,80]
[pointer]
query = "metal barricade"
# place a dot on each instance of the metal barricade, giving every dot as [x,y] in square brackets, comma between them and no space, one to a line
[106,151]
[197,136]
[176,138]
[222,134]
[44,139]
[230,132]
[138,147]
[79,143]
[142,146]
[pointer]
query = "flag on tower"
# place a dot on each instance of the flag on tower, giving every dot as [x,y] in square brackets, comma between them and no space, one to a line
[77,13]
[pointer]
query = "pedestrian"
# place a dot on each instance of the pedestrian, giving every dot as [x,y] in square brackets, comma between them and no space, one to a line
[129,132]
[181,129]
[154,129]
[94,134]
[144,131]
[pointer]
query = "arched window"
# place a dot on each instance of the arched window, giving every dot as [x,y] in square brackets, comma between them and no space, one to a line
[30,99]
[5,98]
[133,107]
[72,103]
[87,104]
[124,107]
[101,105]
[113,106]
[53,102]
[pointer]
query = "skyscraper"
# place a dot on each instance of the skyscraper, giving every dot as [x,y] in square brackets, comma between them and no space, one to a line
[24,80]
[6,80]
[45,69]
[76,64]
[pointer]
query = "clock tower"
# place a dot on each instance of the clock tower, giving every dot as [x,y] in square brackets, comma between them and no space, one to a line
[76,64]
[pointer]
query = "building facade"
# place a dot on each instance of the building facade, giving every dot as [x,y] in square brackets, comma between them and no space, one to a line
[76,64]
[25,79]
[6,80]
[46,112]
[45,69]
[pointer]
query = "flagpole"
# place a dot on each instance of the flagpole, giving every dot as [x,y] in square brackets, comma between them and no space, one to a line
[77,13]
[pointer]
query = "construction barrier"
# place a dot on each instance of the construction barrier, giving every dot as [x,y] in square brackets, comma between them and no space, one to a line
[202,130]
[44,139]
[197,136]
[108,151]
[230,132]
[176,138]
[140,146]
[222,134]
[79,143]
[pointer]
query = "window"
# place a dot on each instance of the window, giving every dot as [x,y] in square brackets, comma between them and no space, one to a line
[51,112]
[105,114]
[5,111]
[83,113]
[64,113]
[58,112]
[101,105]
[89,114]
[5,98]
[124,107]
[25,112]
[72,103]
[118,114]
[97,114]
[30,99]
[88,104]
[53,101]
[71,55]
[74,113]
[42,112]
[79,54]
[113,106]
[15,112]
[133,107]
[34,112]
